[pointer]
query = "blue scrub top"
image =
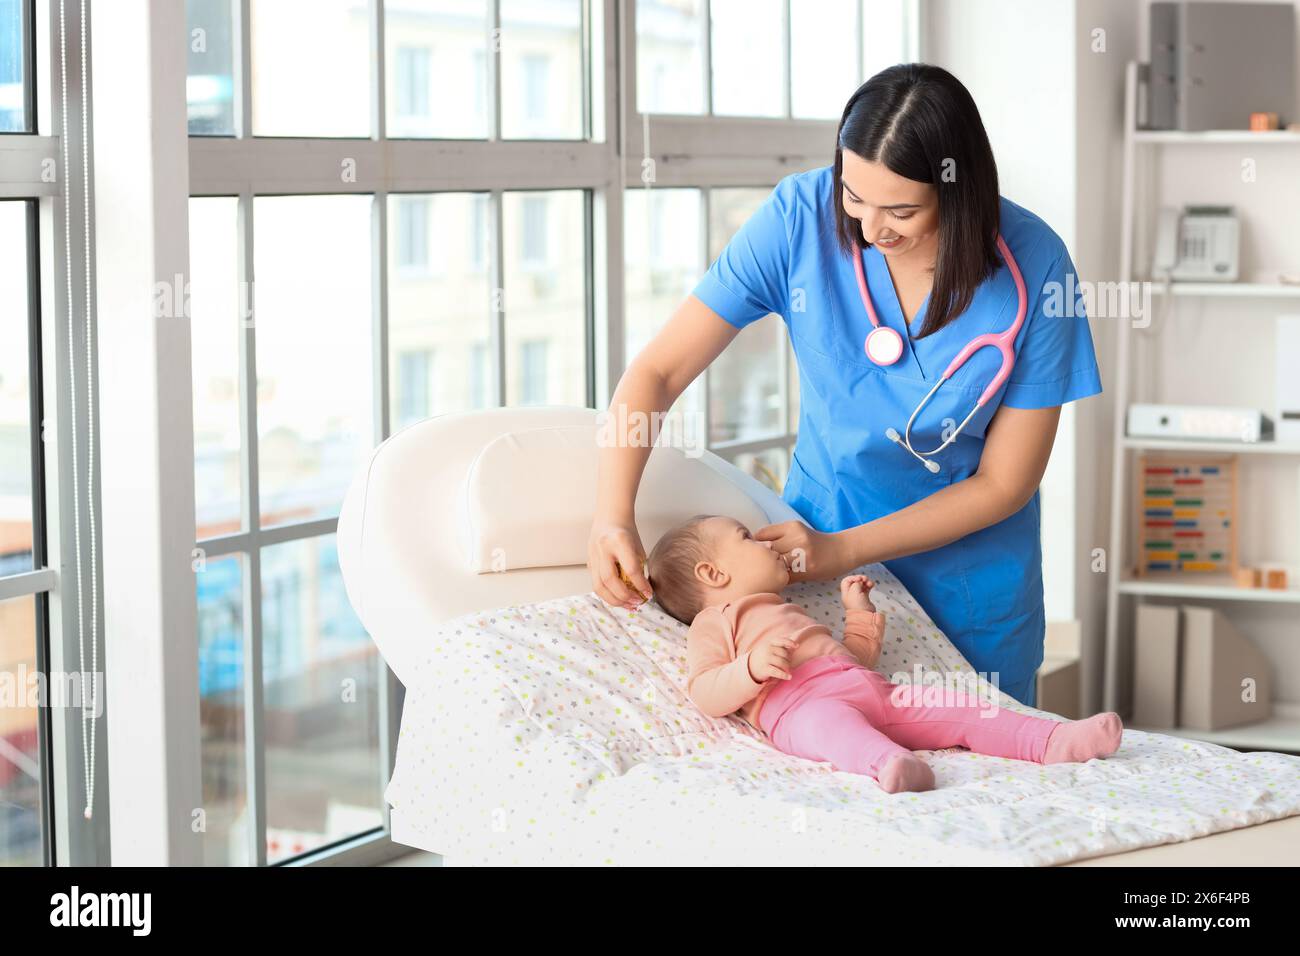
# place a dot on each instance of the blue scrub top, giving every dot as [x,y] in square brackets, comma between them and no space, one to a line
[984,591]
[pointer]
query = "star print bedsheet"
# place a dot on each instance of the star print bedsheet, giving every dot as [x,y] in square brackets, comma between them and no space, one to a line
[560,733]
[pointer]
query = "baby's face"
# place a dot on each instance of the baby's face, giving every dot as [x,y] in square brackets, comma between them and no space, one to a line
[752,566]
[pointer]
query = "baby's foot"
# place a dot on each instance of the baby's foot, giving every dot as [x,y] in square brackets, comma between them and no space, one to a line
[905,772]
[1075,741]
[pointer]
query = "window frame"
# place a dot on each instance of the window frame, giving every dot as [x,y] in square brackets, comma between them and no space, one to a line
[702,152]
[245,167]
[58,356]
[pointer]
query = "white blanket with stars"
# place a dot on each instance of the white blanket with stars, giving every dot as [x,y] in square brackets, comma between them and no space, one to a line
[560,733]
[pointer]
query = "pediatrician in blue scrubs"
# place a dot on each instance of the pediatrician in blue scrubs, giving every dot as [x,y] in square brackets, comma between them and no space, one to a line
[913,192]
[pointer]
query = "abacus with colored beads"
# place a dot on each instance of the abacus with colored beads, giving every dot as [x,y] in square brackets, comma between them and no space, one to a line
[1187,514]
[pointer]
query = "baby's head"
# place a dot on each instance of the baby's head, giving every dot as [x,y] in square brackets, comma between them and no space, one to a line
[708,560]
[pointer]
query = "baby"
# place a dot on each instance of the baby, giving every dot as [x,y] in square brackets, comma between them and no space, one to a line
[750,651]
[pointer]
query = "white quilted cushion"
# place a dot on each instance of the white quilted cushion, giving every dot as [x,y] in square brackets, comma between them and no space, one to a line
[530,495]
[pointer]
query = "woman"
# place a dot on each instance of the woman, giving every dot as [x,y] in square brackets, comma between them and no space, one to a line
[913,192]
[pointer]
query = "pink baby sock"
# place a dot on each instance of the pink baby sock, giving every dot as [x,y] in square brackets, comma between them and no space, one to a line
[905,772]
[1075,741]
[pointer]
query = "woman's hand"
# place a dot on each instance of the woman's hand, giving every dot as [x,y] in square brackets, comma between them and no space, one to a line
[811,555]
[615,546]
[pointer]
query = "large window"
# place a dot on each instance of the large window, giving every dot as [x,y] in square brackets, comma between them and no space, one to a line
[328,310]
[422,211]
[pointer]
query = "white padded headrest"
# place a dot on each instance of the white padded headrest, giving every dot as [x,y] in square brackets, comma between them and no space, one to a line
[530,498]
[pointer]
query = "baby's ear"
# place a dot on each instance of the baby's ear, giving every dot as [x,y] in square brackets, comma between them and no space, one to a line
[710,574]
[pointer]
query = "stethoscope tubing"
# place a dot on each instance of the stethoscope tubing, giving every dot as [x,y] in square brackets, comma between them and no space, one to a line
[1003,341]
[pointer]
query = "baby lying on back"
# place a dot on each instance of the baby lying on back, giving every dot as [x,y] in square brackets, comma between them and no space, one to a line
[751,652]
[744,637]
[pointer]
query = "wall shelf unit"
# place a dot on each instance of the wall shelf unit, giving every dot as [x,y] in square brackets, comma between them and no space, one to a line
[1124,587]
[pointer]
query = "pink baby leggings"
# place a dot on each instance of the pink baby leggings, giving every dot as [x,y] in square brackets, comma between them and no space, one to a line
[834,709]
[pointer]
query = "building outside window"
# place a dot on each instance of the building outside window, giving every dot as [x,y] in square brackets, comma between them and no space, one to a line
[412,81]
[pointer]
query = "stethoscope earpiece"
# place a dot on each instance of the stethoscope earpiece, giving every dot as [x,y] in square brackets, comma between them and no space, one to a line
[931,466]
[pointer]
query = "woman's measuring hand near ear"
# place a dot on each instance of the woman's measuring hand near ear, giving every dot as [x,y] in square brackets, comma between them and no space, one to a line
[692,338]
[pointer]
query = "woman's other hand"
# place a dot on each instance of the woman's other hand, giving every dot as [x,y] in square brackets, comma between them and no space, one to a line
[811,555]
[615,546]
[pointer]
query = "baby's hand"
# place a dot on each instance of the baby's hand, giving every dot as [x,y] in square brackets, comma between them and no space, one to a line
[771,658]
[855,593]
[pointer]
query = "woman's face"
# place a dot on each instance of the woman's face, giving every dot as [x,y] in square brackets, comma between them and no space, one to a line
[899,216]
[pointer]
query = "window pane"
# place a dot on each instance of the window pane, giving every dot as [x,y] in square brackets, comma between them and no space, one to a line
[745,380]
[541,69]
[545,298]
[748,77]
[13,67]
[434,46]
[210,80]
[769,466]
[670,56]
[20,779]
[322,703]
[439,306]
[311,67]
[15,394]
[745,384]
[220,585]
[886,35]
[663,256]
[410,243]
[664,259]
[823,57]
[216,311]
[314,378]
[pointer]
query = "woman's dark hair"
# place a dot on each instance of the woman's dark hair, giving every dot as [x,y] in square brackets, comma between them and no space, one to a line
[920,122]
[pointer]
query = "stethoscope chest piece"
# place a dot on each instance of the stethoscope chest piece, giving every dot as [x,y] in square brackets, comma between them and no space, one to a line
[884,346]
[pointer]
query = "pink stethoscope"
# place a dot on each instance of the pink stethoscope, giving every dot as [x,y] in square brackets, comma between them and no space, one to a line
[884,346]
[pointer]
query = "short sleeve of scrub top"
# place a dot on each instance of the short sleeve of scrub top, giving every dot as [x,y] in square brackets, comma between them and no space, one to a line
[1056,362]
[749,279]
